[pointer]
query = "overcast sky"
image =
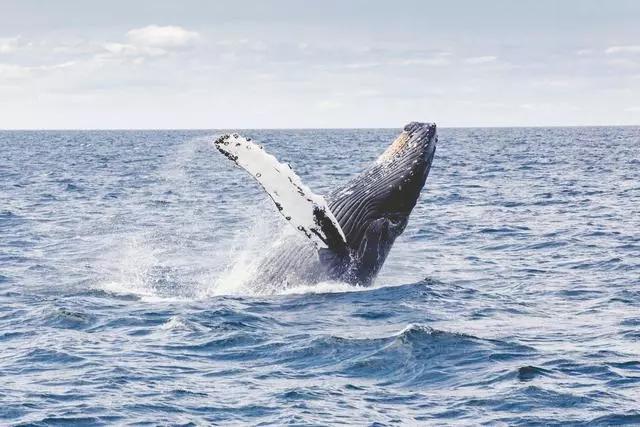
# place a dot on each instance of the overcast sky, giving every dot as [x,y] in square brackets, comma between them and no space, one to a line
[344,63]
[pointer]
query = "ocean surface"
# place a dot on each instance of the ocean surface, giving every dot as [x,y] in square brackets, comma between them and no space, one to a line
[512,297]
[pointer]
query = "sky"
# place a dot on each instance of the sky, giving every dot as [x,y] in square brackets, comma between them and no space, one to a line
[148,64]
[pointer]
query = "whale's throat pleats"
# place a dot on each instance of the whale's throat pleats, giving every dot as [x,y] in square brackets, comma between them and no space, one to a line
[389,188]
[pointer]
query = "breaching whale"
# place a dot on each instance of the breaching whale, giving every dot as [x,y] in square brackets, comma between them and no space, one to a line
[351,231]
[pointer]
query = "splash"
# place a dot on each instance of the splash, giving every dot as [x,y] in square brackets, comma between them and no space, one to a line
[149,267]
[157,266]
[128,269]
[176,258]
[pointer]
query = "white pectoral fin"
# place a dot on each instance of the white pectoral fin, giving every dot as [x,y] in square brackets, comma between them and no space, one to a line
[304,210]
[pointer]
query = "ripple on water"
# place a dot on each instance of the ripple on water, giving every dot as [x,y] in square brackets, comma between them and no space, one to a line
[124,259]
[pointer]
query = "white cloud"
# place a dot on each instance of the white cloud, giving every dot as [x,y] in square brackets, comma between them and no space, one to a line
[437,61]
[623,63]
[167,37]
[329,105]
[128,50]
[9,45]
[77,47]
[368,92]
[584,52]
[228,42]
[549,107]
[633,109]
[623,49]
[558,82]
[14,71]
[480,59]
[361,65]
[148,42]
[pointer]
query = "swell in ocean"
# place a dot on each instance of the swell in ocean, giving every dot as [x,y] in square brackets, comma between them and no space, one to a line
[127,257]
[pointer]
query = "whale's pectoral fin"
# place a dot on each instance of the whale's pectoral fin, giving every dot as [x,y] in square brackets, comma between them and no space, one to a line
[304,210]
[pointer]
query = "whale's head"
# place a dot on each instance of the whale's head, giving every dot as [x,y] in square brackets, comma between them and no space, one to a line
[373,208]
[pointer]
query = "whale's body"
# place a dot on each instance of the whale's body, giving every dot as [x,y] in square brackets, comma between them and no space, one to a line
[351,231]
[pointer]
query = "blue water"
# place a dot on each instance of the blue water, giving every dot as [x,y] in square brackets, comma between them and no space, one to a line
[513,296]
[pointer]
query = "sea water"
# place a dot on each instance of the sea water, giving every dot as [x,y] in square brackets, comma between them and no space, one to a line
[126,257]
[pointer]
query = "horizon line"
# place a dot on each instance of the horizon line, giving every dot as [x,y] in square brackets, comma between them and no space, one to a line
[309,128]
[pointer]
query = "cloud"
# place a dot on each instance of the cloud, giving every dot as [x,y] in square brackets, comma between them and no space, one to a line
[419,58]
[632,109]
[167,37]
[368,92]
[129,50]
[558,82]
[9,45]
[584,52]
[622,49]
[15,72]
[623,63]
[361,65]
[148,42]
[437,61]
[12,71]
[549,106]
[328,104]
[480,59]
[77,48]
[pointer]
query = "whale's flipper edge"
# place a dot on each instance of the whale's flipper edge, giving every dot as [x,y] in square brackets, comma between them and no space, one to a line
[306,211]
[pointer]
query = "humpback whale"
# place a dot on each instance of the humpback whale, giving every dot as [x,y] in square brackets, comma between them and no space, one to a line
[349,233]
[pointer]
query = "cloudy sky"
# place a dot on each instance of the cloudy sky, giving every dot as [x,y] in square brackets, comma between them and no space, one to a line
[331,63]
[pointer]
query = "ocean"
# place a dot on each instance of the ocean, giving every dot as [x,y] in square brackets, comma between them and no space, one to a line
[512,297]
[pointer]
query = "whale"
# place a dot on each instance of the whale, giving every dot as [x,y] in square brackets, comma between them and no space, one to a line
[347,234]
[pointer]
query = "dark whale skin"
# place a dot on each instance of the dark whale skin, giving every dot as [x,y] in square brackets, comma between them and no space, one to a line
[372,209]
